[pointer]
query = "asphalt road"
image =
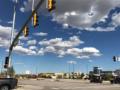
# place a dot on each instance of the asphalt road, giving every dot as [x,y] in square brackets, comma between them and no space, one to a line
[64,85]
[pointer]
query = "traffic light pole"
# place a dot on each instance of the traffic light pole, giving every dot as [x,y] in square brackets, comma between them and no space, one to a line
[19,33]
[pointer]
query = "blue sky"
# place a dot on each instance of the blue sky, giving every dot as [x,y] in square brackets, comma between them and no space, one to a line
[87,31]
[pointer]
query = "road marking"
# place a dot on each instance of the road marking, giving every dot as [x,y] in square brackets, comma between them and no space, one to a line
[55,88]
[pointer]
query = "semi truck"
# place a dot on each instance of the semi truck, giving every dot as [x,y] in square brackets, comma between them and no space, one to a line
[95,75]
[115,78]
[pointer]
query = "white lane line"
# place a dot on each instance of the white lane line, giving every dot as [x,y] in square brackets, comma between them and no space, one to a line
[55,88]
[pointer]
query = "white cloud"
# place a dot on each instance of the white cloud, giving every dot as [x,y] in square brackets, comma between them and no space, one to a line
[71,62]
[15,0]
[31,42]
[33,48]
[108,29]
[116,19]
[22,9]
[41,51]
[50,49]
[67,47]
[83,13]
[58,42]
[84,53]
[4,42]
[65,25]
[24,51]
[5,33]
[28,4]
[41,34]
[10,22]
[24,38]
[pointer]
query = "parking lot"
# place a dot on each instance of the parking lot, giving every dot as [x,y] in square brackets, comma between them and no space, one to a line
[49,84]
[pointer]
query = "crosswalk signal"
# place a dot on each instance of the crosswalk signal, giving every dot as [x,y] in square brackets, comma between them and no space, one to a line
[51,5]
[6,65]
[35,20]
[26,31]
[114,58]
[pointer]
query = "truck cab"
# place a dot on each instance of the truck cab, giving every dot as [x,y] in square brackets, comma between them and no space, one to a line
[95,76]
[115,79]
[8,83]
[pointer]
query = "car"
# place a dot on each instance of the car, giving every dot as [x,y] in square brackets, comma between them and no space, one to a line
[8,83]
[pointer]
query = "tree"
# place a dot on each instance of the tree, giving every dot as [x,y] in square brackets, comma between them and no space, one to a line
[82,75]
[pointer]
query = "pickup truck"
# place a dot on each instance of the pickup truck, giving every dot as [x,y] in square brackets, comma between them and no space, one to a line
[8,83]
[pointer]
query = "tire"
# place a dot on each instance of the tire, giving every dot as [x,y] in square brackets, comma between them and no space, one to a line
[91,81]
[111,82]
[4,87]
[101,81]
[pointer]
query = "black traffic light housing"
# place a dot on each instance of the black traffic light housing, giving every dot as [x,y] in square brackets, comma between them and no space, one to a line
[114,58]
[6,65]
[51,5]
[35,19]
[26,31]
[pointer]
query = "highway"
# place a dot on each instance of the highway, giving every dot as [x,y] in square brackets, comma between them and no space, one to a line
[49,84]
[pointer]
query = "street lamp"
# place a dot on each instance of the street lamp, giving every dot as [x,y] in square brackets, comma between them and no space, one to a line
[89,61]
[72,63]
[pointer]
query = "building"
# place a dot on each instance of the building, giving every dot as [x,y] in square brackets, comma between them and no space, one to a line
[117,72]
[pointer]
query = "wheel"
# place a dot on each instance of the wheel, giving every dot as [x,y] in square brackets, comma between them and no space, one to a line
[91,81]
[5,87]
[101,81]
[111,81]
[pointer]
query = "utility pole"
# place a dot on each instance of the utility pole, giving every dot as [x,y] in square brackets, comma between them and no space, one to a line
[69,70]
[11,38]
[73,70]
[33,2]
[72,63]
[13,30]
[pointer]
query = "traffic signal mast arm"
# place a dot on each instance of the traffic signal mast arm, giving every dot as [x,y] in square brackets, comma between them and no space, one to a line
[19,33]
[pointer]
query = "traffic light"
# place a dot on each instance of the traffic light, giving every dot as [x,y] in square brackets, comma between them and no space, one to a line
[26,31]
[6,65]
[51,5]
[35,20]
[114,58]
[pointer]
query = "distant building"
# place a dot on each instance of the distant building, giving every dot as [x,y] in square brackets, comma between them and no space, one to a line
[117,72]
[60,75]
[107,72]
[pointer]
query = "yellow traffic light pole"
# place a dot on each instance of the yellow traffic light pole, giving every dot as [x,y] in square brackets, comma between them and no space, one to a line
[29,18]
